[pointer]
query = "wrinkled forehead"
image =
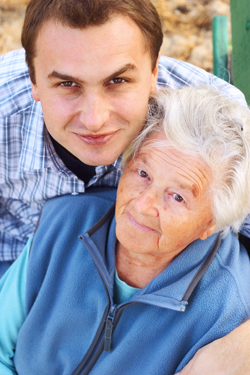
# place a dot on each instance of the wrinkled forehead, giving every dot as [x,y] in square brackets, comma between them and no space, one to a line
[158,153]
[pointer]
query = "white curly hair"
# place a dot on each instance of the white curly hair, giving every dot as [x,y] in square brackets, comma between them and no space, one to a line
[204,122]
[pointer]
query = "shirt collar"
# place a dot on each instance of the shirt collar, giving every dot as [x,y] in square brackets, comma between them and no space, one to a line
[118,164]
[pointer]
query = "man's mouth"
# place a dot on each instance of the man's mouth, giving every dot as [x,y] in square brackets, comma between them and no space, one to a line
[97,139]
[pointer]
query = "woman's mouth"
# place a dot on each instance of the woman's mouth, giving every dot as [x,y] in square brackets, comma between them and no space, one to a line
[139,226]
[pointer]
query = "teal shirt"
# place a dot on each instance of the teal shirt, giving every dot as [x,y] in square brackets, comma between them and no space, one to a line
[122,291]
[12,296]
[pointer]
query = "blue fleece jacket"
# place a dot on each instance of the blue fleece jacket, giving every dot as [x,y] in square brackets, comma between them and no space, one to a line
[71,324]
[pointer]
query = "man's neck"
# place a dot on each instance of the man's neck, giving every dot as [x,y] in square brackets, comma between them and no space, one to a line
[83,171]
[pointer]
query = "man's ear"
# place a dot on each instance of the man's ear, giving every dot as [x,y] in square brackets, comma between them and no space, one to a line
[35,92]
[155,74]
[208,232]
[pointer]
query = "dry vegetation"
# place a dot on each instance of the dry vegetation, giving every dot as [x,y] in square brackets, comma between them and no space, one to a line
[186,25]
[11,19]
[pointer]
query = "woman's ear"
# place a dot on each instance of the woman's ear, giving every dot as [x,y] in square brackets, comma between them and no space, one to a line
[208,232]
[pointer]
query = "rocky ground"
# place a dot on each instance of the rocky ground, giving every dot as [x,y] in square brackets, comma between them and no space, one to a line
[186,24]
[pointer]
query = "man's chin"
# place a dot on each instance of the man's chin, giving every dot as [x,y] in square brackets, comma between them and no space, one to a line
[99,160]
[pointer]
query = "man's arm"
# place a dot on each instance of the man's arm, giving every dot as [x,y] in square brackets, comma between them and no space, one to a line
[229,355]
[12,310]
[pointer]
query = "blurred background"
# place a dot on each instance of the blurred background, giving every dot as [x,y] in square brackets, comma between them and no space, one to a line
[187,26]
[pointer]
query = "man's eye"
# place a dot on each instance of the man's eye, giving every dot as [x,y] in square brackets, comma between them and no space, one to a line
[68,84]
[117,81]
[142,173]
[178,198]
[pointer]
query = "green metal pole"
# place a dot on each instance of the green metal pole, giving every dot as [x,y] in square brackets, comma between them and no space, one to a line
[240,16]
[220,47]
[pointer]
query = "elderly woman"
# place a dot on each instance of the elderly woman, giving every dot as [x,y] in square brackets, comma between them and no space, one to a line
[142,289]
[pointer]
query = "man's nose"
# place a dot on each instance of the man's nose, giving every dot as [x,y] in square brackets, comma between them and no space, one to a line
[94,112]
[147,202]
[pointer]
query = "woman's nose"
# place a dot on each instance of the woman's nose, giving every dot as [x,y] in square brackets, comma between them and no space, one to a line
[147,202]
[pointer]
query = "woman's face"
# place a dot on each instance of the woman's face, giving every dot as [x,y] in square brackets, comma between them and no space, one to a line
[163,201]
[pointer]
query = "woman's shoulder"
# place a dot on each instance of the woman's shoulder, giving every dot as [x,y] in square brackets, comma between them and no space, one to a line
[228,277]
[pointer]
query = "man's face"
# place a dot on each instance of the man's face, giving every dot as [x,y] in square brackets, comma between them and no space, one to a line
[94,86]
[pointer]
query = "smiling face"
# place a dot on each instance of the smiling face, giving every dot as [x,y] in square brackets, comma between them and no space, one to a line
[163,201]
[94,86]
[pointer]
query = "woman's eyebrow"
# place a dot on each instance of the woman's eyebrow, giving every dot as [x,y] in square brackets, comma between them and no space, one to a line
[185,186]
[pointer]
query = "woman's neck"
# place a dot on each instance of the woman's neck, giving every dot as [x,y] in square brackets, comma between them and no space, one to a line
[138,270]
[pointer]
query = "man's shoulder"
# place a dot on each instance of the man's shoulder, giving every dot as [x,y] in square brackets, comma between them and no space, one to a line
[12,64]
[15,88]
[176,74]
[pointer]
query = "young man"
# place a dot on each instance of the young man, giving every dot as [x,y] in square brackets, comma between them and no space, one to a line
[66,120]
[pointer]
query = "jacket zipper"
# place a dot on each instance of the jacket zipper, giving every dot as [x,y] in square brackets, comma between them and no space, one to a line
[109,328]
[96,342]
[100,348]
[98,345]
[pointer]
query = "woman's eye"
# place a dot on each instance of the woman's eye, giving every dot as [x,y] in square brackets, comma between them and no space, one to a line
[142,173]
[178,198]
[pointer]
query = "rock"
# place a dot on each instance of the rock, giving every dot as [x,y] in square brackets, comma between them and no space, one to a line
[218,7]
[178,46]
[202,55]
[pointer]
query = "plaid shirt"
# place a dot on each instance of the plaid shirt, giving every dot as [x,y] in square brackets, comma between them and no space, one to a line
[30,170]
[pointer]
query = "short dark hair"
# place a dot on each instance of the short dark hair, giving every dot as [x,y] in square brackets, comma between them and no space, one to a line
[80,14]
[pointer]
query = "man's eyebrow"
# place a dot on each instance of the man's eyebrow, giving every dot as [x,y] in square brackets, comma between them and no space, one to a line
[125,69]
[66,77]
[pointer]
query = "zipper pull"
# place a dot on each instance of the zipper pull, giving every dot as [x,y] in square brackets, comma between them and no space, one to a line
[109,329]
